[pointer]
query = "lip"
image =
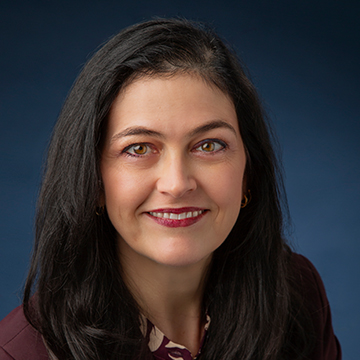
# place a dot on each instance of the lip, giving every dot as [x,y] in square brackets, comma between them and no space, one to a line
[178,210]
[177,222]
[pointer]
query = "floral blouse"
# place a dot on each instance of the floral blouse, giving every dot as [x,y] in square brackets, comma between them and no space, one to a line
[164,349]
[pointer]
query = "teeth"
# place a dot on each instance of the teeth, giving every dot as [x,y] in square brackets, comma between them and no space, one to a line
[172,216]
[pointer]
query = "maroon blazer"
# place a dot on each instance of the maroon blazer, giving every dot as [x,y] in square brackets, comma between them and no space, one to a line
[19,341]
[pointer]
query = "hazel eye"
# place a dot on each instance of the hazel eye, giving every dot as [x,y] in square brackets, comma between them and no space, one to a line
[137,149]
[140,149]
[210,146]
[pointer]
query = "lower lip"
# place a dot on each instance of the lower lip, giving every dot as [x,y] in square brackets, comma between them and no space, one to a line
[177,223]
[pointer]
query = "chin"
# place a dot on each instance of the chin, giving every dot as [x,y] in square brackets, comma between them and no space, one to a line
[183,259]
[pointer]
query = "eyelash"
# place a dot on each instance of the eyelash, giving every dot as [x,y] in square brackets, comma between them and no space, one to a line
[127,149]
[218,142]
[197,147]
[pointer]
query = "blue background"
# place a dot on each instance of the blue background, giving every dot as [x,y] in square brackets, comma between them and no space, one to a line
[304,59]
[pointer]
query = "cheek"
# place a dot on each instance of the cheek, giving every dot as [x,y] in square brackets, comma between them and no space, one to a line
[123,189]
[226,187]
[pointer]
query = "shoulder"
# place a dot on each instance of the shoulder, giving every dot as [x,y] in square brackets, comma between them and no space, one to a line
[314,294]
[19,340]
[305,273]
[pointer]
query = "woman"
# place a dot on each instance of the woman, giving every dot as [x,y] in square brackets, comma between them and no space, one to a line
[159,231]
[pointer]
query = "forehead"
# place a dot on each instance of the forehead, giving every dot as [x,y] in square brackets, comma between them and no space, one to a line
[170,102]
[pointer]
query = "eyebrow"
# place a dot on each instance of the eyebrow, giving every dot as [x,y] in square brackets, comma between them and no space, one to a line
[140,130]
[216,124]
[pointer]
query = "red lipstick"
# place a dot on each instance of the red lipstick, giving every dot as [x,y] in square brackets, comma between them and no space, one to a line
[177,217]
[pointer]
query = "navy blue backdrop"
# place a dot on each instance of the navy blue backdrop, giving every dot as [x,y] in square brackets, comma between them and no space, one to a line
[304,59]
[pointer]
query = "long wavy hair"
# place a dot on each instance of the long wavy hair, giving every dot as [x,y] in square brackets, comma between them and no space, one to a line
[81,305]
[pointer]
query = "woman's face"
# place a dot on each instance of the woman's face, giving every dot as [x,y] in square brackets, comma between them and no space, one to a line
[173,168]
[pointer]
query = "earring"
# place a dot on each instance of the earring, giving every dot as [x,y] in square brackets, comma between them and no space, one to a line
[246,199]
[100,210]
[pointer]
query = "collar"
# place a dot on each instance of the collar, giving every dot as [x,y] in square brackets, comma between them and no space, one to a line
[163,348]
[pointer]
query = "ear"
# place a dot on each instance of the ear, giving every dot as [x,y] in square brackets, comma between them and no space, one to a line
[244,186]
[246,176]
[101,201]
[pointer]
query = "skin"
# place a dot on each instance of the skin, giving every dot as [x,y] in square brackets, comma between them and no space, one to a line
[172,143]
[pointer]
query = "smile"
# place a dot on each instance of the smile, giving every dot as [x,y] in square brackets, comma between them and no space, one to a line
[173,216]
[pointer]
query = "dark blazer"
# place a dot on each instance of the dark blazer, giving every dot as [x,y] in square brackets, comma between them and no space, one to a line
[19,341]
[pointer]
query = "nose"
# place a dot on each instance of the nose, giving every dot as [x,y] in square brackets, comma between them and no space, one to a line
[176,177]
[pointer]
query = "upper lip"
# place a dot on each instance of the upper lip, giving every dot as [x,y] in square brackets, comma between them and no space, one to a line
[177,210]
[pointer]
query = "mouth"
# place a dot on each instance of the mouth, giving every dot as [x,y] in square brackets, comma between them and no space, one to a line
[174,216]
[180,217]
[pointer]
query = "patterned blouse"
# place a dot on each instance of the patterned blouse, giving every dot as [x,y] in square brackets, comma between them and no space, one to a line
[164,349]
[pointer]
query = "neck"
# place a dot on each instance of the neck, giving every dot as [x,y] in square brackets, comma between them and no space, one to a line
[169,296]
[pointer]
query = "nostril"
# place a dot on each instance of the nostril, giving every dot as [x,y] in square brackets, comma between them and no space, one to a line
[175,182]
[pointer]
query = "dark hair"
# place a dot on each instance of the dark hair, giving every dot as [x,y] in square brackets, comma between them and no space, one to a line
[82,307]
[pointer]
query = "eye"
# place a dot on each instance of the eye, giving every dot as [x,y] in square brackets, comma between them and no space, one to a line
[210,146]
[137,150]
